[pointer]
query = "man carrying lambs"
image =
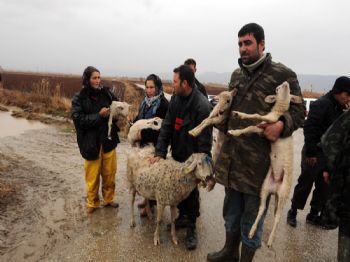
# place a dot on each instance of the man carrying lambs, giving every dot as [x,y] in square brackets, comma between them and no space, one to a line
[243,161]
[187,109]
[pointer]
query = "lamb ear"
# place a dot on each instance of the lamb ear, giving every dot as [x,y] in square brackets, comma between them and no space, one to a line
[190,165]
[296,99]
[234,92]
[270,99]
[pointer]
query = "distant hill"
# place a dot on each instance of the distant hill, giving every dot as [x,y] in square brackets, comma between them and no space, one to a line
[315,83]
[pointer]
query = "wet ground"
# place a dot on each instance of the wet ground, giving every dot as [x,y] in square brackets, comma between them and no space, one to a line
[44,218]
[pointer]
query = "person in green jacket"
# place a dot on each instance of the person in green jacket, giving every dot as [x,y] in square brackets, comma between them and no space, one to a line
[243,161]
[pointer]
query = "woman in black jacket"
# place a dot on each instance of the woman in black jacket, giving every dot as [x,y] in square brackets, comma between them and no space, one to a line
[90,112]
[153,105]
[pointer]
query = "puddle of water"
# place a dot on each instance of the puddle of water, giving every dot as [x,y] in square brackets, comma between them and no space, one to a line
[11,126]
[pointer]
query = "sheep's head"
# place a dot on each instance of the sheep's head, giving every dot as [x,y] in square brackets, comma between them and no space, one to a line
[283,94]
[154,123]
[224,100]
[121,108]
[201,165]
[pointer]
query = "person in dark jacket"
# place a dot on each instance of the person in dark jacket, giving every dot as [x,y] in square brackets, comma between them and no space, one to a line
[153,105]
[187,109]
[90,112]
[336,149]
[193,65]
[323,112]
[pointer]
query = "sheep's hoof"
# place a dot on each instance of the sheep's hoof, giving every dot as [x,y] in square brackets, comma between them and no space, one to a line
[251,233]
[156,241]
[234,132]
[132,223]
[235,114]
[269,244]
[192,133]
[175,241]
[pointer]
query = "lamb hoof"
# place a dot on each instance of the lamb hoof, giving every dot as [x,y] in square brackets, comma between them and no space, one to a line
[132,223]
[233,132]
[175,241]
[156,241]
[235,114]
[192,133]
[251,234]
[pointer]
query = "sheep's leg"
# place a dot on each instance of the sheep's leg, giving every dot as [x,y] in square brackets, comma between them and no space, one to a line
[148,210]
[198,129]
[263,197]
[282,194]
[173,231]
[110,125]
[217,145]
[279,205]
[160,209]
[247,130]
[269,118]
[132,221]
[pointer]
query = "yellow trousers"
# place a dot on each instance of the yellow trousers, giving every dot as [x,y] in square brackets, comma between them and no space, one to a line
[106,167]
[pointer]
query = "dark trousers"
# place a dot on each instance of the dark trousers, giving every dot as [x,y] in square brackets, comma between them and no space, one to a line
[190,207]
[310,175]
[239,212]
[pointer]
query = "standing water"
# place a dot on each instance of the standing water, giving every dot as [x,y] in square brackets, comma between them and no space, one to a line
[11,126]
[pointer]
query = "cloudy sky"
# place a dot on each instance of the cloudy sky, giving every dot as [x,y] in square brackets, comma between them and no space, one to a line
[138,37]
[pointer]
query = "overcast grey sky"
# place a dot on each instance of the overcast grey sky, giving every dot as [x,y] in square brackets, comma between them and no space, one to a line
[138,37]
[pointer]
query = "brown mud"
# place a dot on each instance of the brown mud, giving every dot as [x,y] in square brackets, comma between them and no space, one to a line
[43,216]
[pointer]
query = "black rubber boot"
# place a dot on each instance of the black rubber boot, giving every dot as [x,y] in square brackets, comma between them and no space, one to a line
[292,217]
[191,238]
[313,218]
[247,253]
[230,250]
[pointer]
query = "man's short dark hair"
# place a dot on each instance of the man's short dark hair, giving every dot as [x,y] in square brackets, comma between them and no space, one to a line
[185,73]
[252,28]
[342,84]
[190,61]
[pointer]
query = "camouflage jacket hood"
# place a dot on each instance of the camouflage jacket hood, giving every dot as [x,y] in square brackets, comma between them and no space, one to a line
[244,161]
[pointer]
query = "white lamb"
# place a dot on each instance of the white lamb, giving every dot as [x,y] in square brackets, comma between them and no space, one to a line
[167,181]
[117,109]
[217,116]
[279,178]
[134,134]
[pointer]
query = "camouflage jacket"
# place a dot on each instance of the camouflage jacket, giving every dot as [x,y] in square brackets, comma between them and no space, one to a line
[336,148]
[243,161]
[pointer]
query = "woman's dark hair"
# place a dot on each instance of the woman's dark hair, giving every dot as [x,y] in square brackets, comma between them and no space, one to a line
[185,73]
[157,81]
[342,84]
[87,75]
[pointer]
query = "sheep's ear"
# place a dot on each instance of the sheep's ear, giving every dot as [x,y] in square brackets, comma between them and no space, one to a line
[296,99]
[270,99]
[234,92]
[190,165]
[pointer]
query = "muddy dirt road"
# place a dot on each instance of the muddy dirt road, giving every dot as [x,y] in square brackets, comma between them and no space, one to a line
[44,219]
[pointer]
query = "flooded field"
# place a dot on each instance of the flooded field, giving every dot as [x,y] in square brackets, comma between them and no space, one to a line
[11,126]
[44,219]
